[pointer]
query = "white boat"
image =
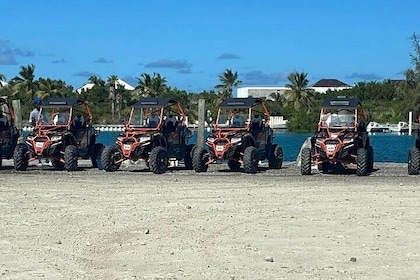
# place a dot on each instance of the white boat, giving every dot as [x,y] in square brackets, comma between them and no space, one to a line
[377,127]
[402,127]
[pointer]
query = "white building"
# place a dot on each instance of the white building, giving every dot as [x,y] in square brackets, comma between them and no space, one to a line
[322,86]
[244,92]
[119,82]
[3,84]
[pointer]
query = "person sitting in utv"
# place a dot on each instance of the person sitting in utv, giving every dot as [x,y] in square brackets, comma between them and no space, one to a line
[170,123]
[238,121]
[256,123]
[153,120]
[79,121]
[60,118]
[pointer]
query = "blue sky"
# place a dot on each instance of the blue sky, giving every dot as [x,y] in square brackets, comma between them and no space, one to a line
[192,42]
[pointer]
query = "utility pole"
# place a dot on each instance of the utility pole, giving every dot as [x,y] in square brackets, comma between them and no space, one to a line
[201,116]
[18,118]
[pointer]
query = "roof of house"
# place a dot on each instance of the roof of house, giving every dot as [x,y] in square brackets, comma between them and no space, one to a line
[126,85]
[119,82]
[85,87]
[330,83]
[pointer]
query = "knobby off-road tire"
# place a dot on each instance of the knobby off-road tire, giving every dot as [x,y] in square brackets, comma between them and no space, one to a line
[250,160]
[110,155]
[276,157]
[305,161]
[20,157]
[189,151]
[70,158]
[96,154]
[199,160]
[371,158]
[57,164]
[413,161]
[234,165]
[362,162]
[158,160]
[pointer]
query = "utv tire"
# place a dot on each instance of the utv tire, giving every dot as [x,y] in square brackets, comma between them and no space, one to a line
[70,158]
[158,160]
[234,165]
[371,158]
[276,157]
[199,160]
[96,154]
[362,162]
[413,161]
[306,161]
[250,160]
[57,164]
[189,151]
[110,155]
[20,157]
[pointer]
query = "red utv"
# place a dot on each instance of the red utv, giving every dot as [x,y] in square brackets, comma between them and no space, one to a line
[9,134]
[63,132]
[340,140]
[414,154]
[155,132]
[241,136]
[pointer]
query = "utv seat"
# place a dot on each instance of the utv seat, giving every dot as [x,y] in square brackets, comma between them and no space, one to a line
[170,124]
[238,121]
[153,121]
[256,123]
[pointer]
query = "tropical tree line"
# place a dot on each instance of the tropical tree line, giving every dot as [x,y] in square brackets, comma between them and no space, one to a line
[110,101]
[386,101]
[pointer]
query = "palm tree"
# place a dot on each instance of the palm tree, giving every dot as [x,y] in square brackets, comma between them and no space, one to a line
[24,84]
[299,95]
[151,86]
[159,84]
[96,80]
[277,97]
[2,79]
[229,81]
[413,75]
[49,88]
[111,83]
[145,84]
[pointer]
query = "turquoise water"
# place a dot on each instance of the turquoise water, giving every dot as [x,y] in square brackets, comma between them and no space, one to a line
[388,147]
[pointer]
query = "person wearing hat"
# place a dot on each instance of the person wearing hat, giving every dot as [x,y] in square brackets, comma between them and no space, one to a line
[33,116]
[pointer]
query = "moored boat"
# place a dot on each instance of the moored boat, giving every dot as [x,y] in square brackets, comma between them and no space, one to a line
[377,127]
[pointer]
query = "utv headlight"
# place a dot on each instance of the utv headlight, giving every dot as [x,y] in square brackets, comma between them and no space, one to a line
[144,139]
[210,139]
[236,140]
[56,138]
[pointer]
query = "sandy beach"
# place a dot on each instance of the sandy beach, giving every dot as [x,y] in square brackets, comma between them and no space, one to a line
[275,224]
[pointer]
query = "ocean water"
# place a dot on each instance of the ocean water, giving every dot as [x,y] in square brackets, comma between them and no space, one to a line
[388,147]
